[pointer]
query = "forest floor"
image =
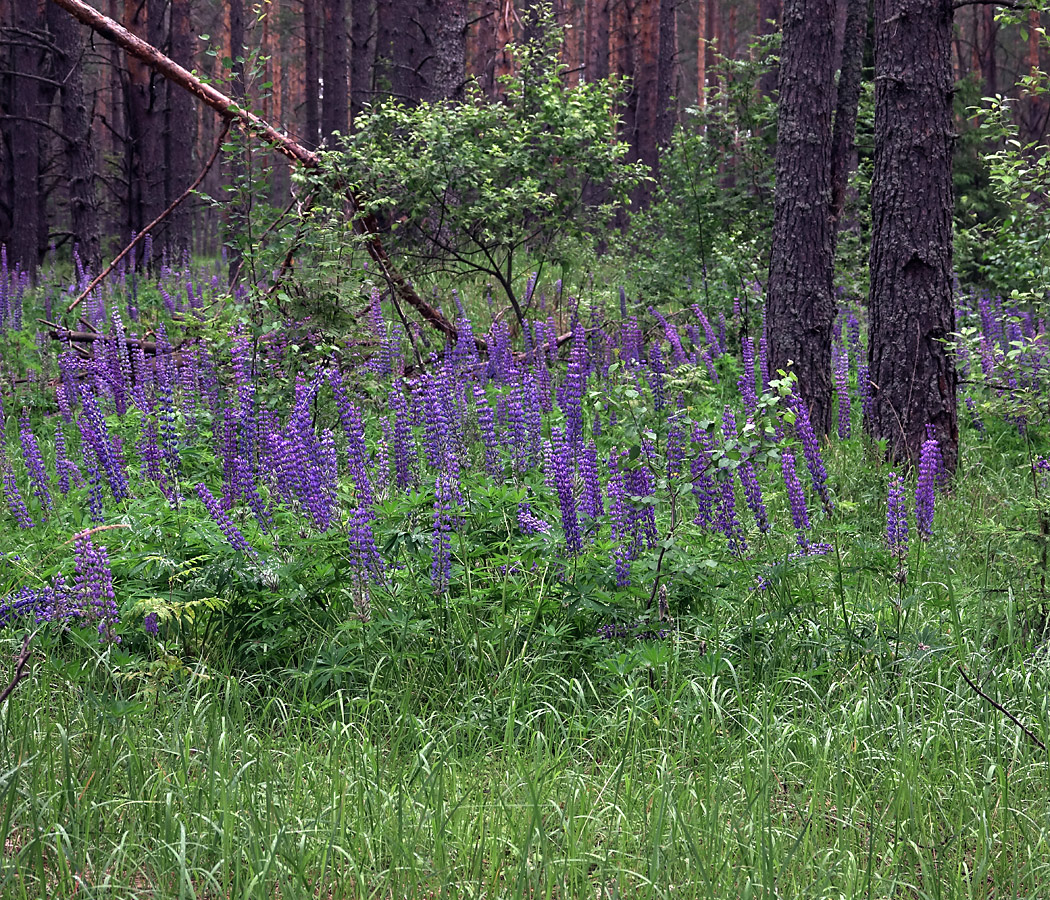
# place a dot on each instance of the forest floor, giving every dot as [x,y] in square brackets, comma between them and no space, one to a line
[440,670]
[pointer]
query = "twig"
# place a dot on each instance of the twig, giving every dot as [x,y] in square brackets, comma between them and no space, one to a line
[1002,709]
[138,237]
[20,668]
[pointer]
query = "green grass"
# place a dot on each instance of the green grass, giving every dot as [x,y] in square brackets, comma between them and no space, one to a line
[778,760]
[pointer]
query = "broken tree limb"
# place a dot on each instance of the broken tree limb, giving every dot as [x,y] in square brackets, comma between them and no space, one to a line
[231,110]
[20,668]
[97,280]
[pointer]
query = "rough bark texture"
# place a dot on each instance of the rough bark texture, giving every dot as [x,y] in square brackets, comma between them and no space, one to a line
[335,101]
[912,313]
[311,74]
[848,97]
[182,129]
[362,53]
[596,39]
[800,306]
[27,57]
[78,148]
[447,73]
[482,50]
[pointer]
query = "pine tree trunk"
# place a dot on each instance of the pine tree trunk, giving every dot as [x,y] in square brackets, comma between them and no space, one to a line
[361,56]
[846,104]
[447,71]
[800,306]
[769,16]
[311,74]
[182,129]
[482,52]
[335,101]
[912,313]
[596,40]
[78,147]
[27,58]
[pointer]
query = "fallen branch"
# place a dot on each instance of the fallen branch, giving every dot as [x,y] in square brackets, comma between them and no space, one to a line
[20,668]
[230,110]
[1003,710]
[97,280]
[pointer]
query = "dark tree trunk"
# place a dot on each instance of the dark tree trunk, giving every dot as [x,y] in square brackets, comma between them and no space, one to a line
[27,58]
[848,98]
[398,52]
[311,74]
[800,306]
[335,101]
[483,50]
[596,40]
[78,148]
[362,35]
[182,129]
[449,65]
[236,210]
[912,314]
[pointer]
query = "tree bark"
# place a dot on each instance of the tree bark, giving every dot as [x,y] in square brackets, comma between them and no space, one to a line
[482,50]
[230,110]
[78,147]
[912,313]
[596,40]
[27,58]
[701,54]
[335,101]
[311,74]
[362,38]
[182,129]
[800,306]
[448,71]
[847,101]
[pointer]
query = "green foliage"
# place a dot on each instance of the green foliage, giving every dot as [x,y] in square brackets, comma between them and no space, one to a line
[481,188]
[712,208]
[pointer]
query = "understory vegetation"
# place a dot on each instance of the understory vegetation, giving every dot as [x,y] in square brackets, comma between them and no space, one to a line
[301,599]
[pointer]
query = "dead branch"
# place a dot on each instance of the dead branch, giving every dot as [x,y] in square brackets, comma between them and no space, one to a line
[20,668]
[229,109]
[138,237]
[1002,709]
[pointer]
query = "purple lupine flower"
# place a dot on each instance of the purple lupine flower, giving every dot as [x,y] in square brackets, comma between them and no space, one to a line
[811,449]
[796,498]
[924,488]
[867,399]
[404,447]
[705,490]
[746,382]
[444,525]
[897,518]
[563,479]
[841,370]
[68,474]
[592,489]
[95,435]
[671,333]
[763,361]
[853,335]
[619,515]
[529,522]
[228,529]
[570,394]
[727,522]
[34,462]
[12,494]
[151,624]
[709,333]
[364,554]
[746,470]
[656,376]
[95,599]
[354,430]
